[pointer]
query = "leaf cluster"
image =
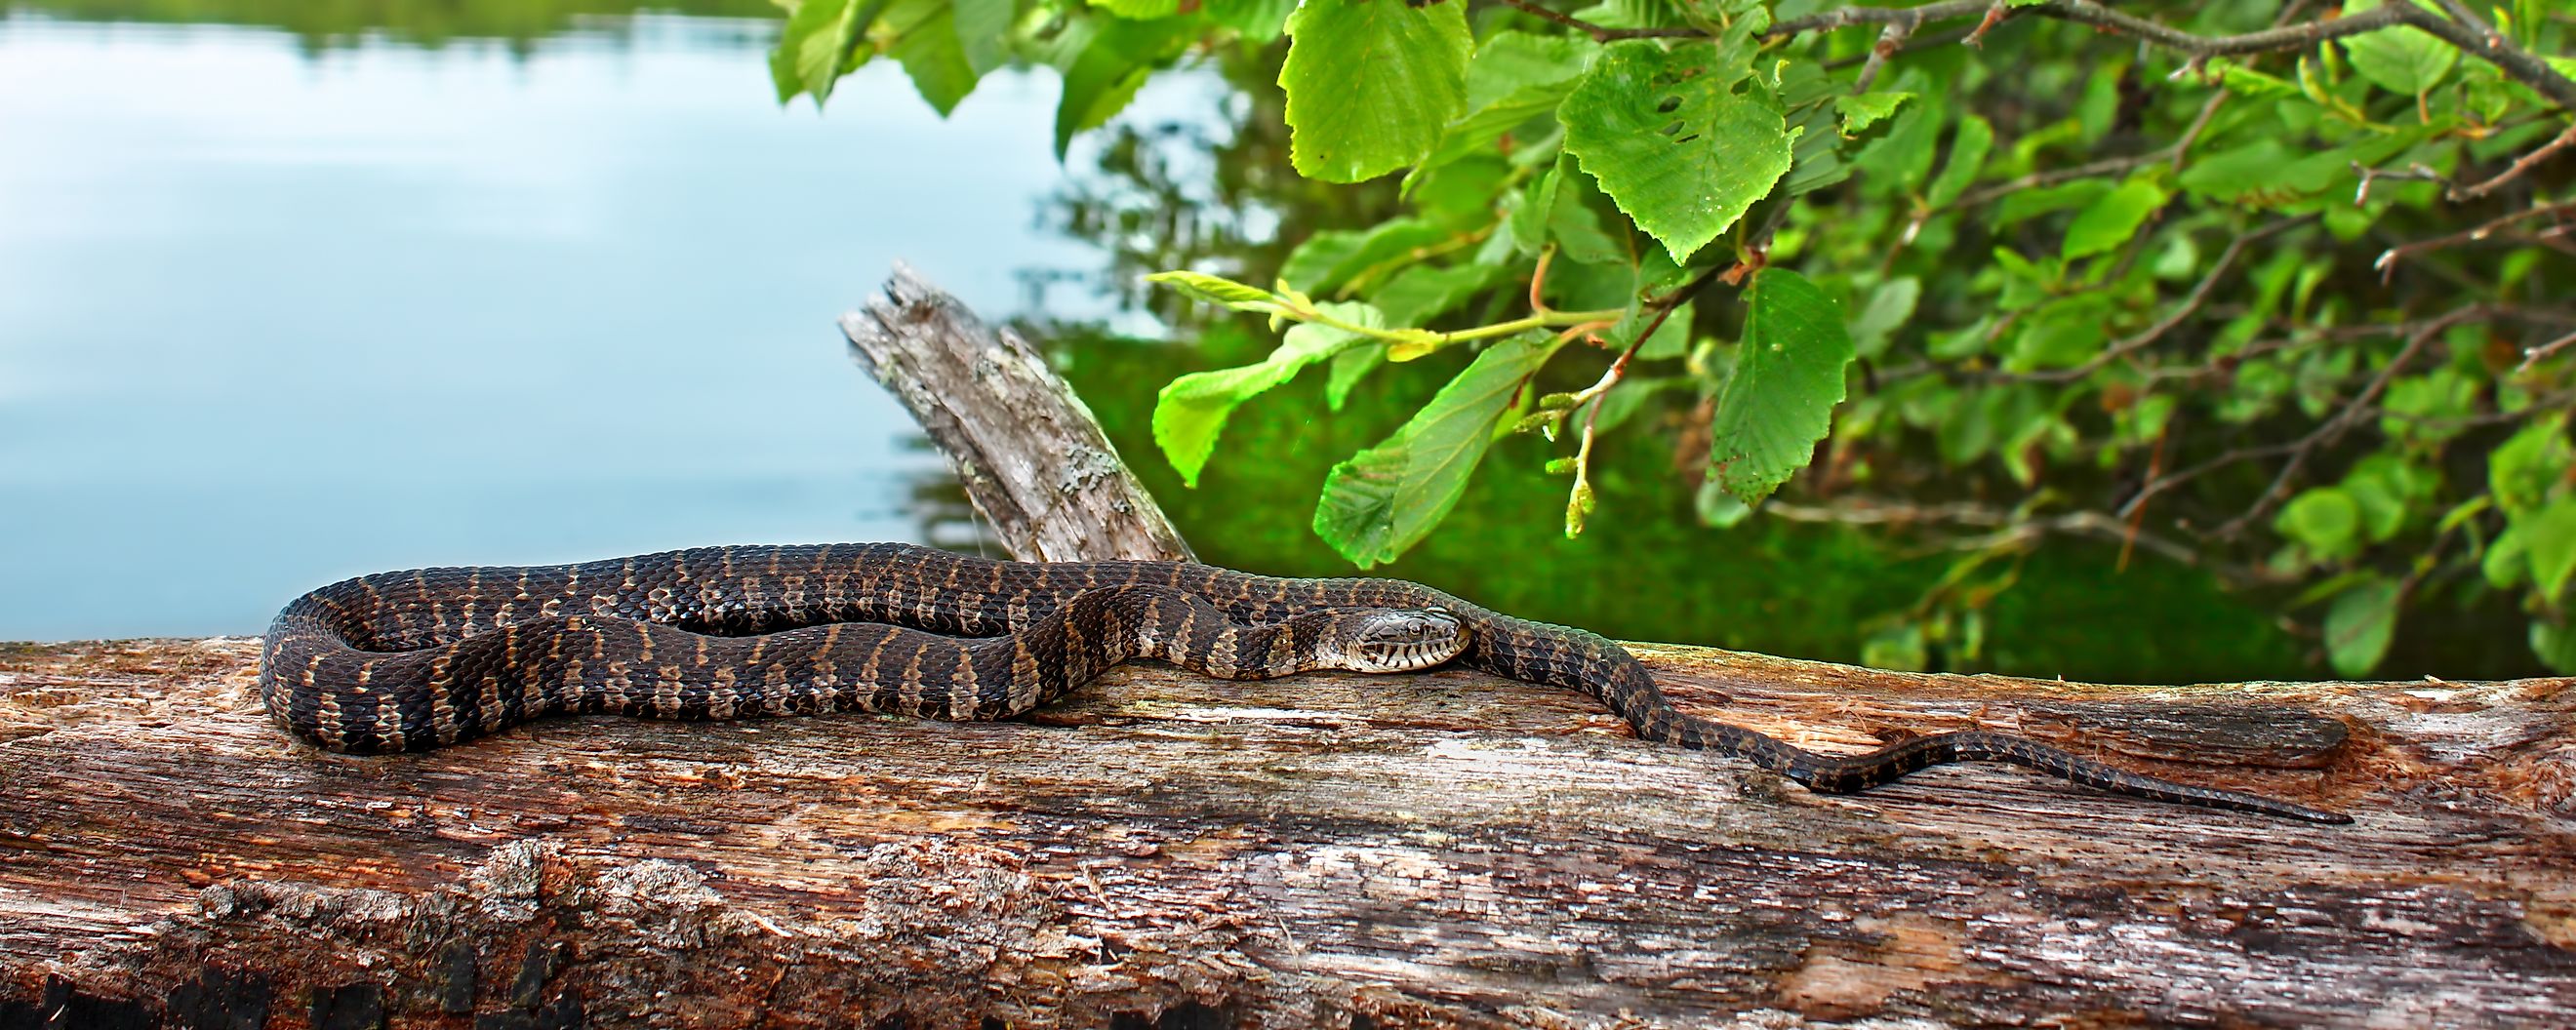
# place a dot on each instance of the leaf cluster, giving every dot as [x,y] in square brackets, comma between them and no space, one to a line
[2279,299]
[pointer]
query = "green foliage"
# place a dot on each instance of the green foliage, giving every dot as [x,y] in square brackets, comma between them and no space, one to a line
[1684,140]
[1787,380]
[2219,310]
[1371,84]
[1385,499]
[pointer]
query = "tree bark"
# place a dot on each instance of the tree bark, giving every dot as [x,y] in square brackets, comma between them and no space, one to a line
[1443,850]
[1335,850]
[1029,453]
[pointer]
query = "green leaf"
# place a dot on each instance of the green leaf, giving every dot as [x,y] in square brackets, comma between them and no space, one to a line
[1968,149]
[1896,163]
[982,29]
[925,40]
[819,36]
[1215,289]
[1192,409]
[1109,68]
[1529,220]
[2521,471]
[1421,293]
[1331,257]
[1574,222]
[1260,21]
[2404,59]
[2113,219]
[1673,142]
[2360,624]
[1371,83]
[1890,306]
[1387,498]
[2386,488]
[1346,371]
[2555,645]
[2325,520]
[2031,203]
[1514,77]
[1139,8]
[2506,560]
[1861,111]
[1788,377]
[2245,81]
[2549,536]
[2429,408]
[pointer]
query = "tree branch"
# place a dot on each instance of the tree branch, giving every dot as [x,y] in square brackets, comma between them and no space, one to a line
[2470,36]
[2334,428]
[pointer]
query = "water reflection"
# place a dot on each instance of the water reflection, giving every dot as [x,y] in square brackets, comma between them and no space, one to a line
[272,318]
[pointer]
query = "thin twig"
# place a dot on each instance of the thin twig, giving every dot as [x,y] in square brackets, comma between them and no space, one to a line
[2181,312]
[2472,37]
[2334,428]
[2387,263]
[2520,165]
[2535,355]
[1890,40]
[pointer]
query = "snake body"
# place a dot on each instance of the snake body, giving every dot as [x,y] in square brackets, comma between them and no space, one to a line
[408,661]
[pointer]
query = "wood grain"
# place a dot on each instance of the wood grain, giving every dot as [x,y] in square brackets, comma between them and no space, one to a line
[1031,457]
[1326,850]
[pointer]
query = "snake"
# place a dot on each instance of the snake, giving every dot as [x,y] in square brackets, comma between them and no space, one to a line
[426,658]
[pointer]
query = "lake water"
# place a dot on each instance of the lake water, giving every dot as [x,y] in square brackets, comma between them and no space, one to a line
[270,317]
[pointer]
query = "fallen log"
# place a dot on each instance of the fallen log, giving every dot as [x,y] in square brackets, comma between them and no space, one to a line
[1328,850]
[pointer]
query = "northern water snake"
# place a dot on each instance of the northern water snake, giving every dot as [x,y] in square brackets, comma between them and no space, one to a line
[421,659]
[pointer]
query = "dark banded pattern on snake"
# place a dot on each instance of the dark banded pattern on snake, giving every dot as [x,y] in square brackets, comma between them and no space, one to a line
[416,660]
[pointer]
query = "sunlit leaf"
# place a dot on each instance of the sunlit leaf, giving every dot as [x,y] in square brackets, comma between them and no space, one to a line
[1788,377]
[1674,141]
[1192,409]
[922,36]
[2113,219]
[1371,83]
[1215,289]
[1860,111]
[2404,59]
[2325,520]
[1385,499]
[818,36]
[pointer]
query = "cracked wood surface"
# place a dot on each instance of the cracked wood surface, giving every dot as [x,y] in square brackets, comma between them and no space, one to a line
[1029,453]
[1328,850]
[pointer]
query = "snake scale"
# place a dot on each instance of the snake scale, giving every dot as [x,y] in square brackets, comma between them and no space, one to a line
[408,661]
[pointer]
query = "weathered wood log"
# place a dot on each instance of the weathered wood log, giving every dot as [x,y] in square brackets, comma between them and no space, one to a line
[1329,850]
[1030,455]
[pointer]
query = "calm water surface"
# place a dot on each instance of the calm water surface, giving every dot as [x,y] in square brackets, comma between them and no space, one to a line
[269,318]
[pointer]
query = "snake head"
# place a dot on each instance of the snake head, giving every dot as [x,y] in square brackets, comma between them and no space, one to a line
[1401,639]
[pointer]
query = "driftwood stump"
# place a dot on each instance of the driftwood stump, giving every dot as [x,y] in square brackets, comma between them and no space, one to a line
[1328,850]
[1032,458]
